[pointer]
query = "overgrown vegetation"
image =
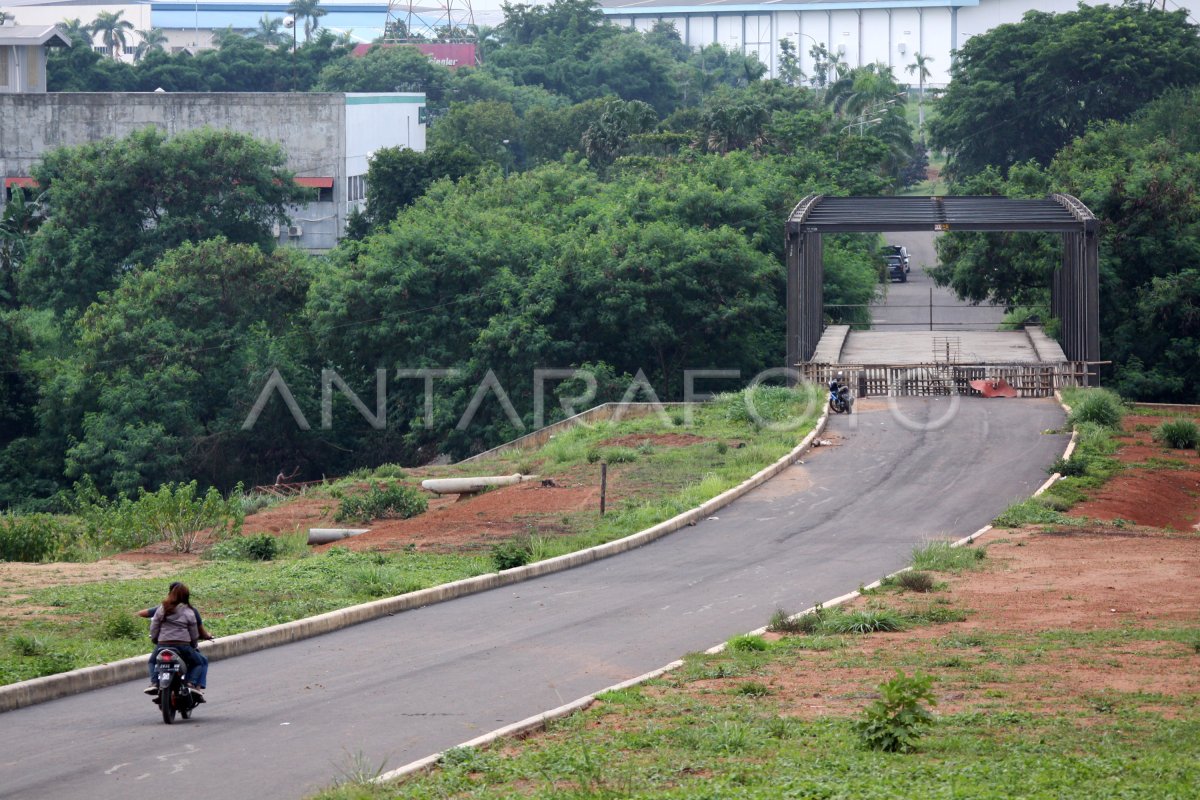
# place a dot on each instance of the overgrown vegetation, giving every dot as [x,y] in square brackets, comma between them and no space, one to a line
[1180,434]
[381,501]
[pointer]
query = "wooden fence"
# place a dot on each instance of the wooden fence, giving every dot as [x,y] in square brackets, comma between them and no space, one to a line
[945,378]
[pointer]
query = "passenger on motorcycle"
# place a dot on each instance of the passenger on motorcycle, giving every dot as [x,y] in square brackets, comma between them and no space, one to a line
[175,624]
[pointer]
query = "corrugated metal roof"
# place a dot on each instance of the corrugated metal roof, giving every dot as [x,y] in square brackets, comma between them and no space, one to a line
[822,214]
[26,35]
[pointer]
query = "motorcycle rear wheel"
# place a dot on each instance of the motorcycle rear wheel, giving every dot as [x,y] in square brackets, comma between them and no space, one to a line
[166,701]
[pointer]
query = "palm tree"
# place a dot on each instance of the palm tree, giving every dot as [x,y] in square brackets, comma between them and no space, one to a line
[112,30]
[862,89]
[76,31]
[269,33]
[153,39]
[308,10]
[922,71]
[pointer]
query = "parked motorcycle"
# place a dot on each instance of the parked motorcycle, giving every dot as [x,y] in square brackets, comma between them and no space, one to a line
[174,696]
[840,401]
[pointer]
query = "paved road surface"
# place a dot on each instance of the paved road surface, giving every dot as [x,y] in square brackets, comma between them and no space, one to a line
[282,723]
[907,305]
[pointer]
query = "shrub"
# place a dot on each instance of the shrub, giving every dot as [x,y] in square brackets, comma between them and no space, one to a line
[378,580]
[894,722]
[863,621]
[1099,406]
[619,455]
[1180,434]
[747,643]
[122,625]
[1074,467]
[380,502]
[256,501]
[30,537]
[176,513]
[1029,512]
[261,547]
[782,622]
[512,553]
[392,471]
[915,581]
[27,645]
[940,556]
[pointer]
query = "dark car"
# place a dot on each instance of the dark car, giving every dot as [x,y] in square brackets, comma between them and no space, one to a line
[895,269]
[898,250]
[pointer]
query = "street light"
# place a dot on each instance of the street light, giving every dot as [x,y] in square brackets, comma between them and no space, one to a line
[290,22]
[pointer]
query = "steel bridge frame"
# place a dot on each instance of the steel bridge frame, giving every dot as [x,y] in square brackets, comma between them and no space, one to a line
[1075,285]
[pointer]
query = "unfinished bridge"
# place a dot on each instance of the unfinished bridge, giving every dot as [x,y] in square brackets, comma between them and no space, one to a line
[944,357]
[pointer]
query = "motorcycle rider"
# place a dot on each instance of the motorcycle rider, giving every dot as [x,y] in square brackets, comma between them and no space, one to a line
[148,613]
[175,625]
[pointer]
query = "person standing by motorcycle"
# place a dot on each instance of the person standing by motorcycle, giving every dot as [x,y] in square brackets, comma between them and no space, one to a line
[176,625]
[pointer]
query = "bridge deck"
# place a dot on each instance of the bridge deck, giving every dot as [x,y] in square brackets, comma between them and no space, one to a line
[923,347]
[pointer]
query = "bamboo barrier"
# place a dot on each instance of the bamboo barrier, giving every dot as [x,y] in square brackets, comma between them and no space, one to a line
[946,378]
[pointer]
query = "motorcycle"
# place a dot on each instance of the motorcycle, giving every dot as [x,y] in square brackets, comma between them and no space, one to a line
[840,401]
[174,696]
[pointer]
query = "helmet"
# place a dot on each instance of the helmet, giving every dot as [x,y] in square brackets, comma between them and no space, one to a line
[839,373]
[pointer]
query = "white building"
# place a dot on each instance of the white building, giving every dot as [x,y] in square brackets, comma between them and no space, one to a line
[861,32]
[327,137]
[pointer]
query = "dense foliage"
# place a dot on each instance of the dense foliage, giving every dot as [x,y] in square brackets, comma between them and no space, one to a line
[1139,178]
[591,197]
[1024,90]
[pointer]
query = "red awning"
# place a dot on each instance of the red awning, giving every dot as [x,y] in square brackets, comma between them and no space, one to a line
[27,183]
[316,183]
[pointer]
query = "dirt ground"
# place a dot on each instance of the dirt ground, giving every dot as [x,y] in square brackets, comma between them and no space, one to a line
[1078,581]
[1166,495]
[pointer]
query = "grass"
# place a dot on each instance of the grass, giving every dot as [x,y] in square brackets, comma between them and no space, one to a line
[76,625]
[714,728]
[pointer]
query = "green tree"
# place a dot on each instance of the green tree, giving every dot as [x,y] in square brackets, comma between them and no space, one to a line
[610,133]
[920,67]
[149,41]
[269,32]
[116,204]
[789,63]
[308,10]
[1023,91]
[112,29]
[174,358]
[386,68]
[480,128]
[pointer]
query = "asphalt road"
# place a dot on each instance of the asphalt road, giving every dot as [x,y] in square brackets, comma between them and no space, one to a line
[283,723]
[907,306]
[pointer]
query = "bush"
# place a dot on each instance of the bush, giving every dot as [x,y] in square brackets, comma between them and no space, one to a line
[1099,406]
[1074,467]
[261,547]
[176,513]
[619,455]
[392,471]
[894,722]
[122,625]
[30,537]
[915,581]
[381,502]
[940,556]
[1180,434]
[747,643]
[781,623]
[863,621]
[512,553]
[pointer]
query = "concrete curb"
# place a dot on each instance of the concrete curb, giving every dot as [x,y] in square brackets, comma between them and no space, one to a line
[539,721]
[52,687]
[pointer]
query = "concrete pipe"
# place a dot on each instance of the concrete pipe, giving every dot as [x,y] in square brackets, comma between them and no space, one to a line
[473,485]
[327,535]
